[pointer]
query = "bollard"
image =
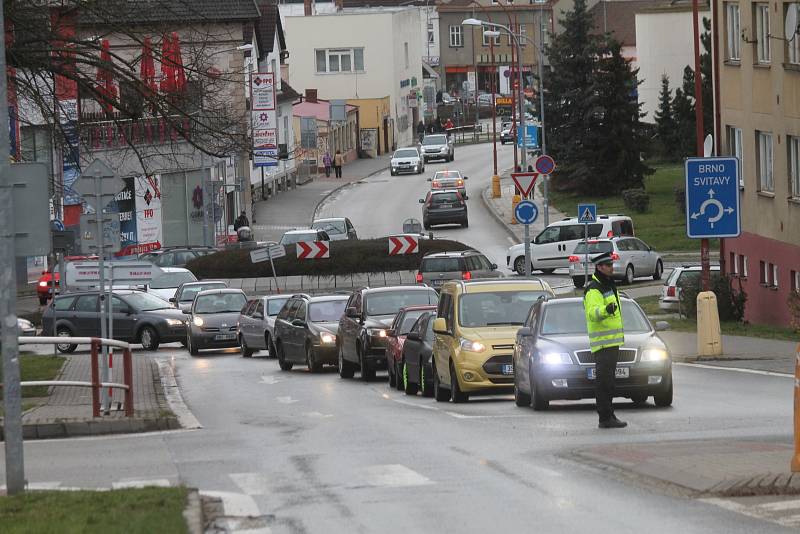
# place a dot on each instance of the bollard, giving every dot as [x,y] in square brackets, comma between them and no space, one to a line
[127,366]
[709,337]
[796,458]
[514,201]
[496,187]
[95,379]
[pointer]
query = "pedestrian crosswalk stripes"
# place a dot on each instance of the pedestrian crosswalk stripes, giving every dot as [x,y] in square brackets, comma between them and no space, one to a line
[775,509]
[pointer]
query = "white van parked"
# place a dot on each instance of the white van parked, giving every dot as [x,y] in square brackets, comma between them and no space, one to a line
[550,250]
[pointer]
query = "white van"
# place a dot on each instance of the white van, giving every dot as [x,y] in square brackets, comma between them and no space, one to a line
[550,250]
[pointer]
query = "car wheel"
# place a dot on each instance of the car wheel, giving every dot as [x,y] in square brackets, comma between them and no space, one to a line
[547,271]
[282,363]
[424,385]
[664,399]
[392,375]
[346,369]
[270,345]
[311,360]
[392,173]
[148,338]
[426,225]
[246,352]
[65,348]
[659,270]
[408,386]
[465,223]
[639,398]
[629,275]
[540,403]
[189,345]
[521,399]
[519,265]
[578,281]
[439,393]
[457,395]
[366,373]
[42,301]
[398,373]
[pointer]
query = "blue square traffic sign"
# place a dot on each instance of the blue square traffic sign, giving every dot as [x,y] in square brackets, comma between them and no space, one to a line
[587,213]
[712,197]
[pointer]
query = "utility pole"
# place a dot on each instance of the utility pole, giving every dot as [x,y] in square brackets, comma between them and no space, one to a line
[705,264]
[546,185]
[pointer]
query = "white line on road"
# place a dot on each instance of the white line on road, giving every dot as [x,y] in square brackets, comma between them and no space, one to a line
[780,505]
[286,400]
[394,475]
[414,404]
[271,379]
[251,483]
[467,416]
[235,504]
[735,369]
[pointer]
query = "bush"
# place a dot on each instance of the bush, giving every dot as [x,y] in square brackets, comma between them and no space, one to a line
[730,301]
[347,257]
[680,199]
[636,200]
[794,309]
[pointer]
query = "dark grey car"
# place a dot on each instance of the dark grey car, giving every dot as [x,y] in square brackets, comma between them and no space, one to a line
[214,318]
[444,207]
[435,269]
[552,359]
[187,291]
[138,318]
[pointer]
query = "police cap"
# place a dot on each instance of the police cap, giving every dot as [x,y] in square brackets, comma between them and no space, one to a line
[603,258]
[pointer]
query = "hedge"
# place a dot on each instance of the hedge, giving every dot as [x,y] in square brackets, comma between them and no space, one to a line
[347,257]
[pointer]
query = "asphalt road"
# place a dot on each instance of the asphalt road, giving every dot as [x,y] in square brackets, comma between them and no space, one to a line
[315,453]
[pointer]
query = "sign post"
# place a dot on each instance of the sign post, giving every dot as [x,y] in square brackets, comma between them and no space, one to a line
[545,165]
[270,253]
[525,181]
[526,212]
[587,213]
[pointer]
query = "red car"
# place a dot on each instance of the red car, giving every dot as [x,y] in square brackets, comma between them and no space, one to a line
[49,280]
[396,336]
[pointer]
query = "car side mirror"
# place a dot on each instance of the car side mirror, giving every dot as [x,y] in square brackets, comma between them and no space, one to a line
[429,179]
[662,326]
[391,333]
[422,201]
[172,300]
[524,332]
[466,177]
[187,312]
[440,326]
[352,312]
[413,336]
[258,315]
[298,322]
[494,266]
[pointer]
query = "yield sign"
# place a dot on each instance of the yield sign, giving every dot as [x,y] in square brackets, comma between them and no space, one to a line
[403,244]
[313,250]
[524,181]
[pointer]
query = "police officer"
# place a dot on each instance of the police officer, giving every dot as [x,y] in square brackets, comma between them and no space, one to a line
[604,324]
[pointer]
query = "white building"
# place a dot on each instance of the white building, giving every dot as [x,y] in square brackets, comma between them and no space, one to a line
[367,57]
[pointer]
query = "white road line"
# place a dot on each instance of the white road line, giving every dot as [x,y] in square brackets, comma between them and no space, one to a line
[466,416]
[394,476]
[251,483]
[286,400]
[271,379]
[734,369]
[155,483]
[780,505]
[235,504]
[414,404]
[318,415]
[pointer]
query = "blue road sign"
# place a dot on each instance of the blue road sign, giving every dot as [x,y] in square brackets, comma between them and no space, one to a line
[58,225]
[587,213]
[712,197]
[545,164]
[531,136]
[526,212]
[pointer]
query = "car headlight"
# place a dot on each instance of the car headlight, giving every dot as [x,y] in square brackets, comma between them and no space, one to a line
[472,346]
[327,339]
[556,358]
[42,284]
[376,332]
[24,324]
[654,355]
[198,321]
[176,322]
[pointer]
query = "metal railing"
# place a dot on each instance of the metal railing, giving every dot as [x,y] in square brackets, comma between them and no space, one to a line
[95,384]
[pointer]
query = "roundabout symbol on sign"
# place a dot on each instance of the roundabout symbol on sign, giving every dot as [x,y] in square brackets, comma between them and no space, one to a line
[526,212]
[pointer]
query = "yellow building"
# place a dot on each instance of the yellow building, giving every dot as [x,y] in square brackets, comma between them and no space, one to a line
[375,124]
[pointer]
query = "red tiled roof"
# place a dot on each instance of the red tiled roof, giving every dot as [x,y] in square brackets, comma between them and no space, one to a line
[620,17]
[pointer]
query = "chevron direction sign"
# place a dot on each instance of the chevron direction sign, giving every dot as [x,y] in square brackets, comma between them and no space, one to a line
[313,250]
[403,244]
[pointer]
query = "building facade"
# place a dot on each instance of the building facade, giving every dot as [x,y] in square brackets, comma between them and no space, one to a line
[759,106]
[332,136]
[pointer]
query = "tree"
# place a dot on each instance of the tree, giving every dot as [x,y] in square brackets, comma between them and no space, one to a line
[684,104]
[683,111]
[665,121]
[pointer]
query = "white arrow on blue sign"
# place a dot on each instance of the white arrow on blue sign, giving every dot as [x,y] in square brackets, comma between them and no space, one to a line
[526,212]
[587,213]
[712,197]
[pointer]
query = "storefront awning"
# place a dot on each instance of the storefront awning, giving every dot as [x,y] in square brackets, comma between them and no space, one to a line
[428,71]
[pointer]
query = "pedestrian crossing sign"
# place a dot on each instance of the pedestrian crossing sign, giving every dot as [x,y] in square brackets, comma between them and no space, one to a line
[587,213]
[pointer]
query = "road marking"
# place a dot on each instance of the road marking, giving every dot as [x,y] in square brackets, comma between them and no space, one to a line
[251,483]
[286,400]
[271,379]
[394,476]
[414,404]
[316,415]
[511,240]
[734,369]
[235,504]
[155,483]
[466,416]
[780,505]
[764,511]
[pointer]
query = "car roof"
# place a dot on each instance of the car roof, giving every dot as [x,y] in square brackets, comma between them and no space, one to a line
[302,231]
[600,218]
[276,297]
[327,298]
[202,282]
[450,254]
[440,191]
[175,270]
[220,291]
[443,171]
[486,285]
[329,219]
[394,288]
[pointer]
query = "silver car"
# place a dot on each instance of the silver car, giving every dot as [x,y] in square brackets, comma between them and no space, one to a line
[437,146]
[633,258]
[186,293]
[406,160]
[257,324]
[552,359]
[214,317]
[449,180]
[439,267]
[337,228]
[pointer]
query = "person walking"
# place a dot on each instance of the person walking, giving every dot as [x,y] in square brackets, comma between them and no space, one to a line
[449,125]
[420,130]
[606,335]
[327,162]
[241,221]
[338,160]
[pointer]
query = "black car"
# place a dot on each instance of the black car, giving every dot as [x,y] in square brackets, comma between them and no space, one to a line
[362,329]
[175,256]
[138,318]
[444,207]
[416,360]
[305,331]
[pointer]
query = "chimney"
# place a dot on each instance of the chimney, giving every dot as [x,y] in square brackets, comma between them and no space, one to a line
[307,8]
[311,96]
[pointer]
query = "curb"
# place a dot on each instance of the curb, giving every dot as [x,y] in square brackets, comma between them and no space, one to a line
[72,429]
[172,392]
[337,189]
[193,513]
[497,216]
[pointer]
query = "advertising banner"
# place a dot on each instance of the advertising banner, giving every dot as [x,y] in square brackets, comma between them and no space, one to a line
[264,120]
[148,212]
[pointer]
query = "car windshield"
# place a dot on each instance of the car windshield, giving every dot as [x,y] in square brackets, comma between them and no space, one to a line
[433,265]
[275,305]
[220,303]
[444,198]
[496,308]
[390,302]
[332,227]
[595,247]
[569,318]
[327,311]
[288,239]
[409,318]
[189,293]
[146,302]
[407,153]
[435,140]
[170,280]
[444,175]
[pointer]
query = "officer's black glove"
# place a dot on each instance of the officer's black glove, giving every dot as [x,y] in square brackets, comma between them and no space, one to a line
[611,308]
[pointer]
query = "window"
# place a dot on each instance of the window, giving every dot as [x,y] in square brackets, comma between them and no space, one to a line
[794,166]
[431,34]
[794,279]
[734,136]
[766,181]
[86,303]
[732,263]
[732,29]
[456,38]
[793,46]
[335,60]
[763,274]
[773,282]
[762,33]
[486,40]
[405,51]
[742,265]
[521,31]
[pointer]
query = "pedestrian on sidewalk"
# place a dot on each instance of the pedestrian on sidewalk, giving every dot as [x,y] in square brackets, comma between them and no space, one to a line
[327,162]
[241,221]
[338,160]
[606,335]
[420,130]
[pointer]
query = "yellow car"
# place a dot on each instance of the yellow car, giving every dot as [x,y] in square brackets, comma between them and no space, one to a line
[475,330]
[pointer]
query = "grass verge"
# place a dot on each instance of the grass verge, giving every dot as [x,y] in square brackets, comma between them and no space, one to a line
[141,510]
[663,226]
[650,305]
[35,367]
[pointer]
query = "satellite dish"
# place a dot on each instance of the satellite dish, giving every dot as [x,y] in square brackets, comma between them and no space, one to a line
[708,146]
[790,25]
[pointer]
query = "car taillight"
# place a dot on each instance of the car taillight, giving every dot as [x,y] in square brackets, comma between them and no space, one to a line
[614,256]
[574,259]
[419,278]
[610,233]
[460,182]
[460,198]
[671,291]
[466,275]
[435,185]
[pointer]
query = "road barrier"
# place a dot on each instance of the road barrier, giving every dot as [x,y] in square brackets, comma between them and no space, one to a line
[95,384]
[796,457]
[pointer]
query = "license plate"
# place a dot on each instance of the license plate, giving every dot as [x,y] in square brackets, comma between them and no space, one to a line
[438,282]
[621,372]
[225,337]
[445,206]
[508,369]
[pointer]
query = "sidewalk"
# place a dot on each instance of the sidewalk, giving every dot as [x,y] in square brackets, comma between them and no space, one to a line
[68,410]
[295,208]
[771,355]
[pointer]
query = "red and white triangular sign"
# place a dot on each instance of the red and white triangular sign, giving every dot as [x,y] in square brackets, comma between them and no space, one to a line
[524,181]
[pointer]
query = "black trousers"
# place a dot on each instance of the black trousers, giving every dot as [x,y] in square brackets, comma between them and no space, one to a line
[605,367]
[338,170]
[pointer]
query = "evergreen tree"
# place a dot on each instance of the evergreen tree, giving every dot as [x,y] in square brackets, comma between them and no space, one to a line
[665,121]
[707,75]
[683,111]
